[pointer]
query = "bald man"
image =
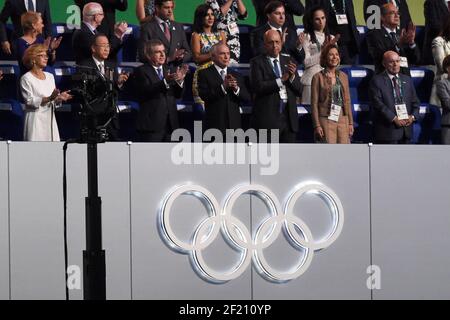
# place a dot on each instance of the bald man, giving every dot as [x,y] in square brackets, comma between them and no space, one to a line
[391,38]
[394,103]
[223,91]
[276,86]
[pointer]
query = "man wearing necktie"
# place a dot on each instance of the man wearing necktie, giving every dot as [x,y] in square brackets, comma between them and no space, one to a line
[170,33]
[401,5]
[105,109]
[223,91]
[394,103]
[391,38]
[14,9]
[276,86]
[157,88]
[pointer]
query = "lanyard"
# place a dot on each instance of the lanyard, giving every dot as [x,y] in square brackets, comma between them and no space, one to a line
[334,7]
[400,86]
[338,89]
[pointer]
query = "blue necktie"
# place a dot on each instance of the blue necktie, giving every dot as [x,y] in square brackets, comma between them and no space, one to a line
[276,69]
[30,5]
[160,74]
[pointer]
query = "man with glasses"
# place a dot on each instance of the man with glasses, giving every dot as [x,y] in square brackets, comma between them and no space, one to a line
[401,5]
[391,38]
[83,38]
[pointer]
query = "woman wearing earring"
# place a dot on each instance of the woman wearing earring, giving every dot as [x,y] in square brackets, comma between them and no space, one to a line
[330,100]
[40,96]
[32,25]
[204,37]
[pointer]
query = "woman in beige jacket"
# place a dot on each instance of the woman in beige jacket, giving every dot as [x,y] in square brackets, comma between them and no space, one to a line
[330,100]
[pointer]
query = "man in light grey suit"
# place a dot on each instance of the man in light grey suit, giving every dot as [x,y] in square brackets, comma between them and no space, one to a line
[170,33]
[394,102]
[443,92]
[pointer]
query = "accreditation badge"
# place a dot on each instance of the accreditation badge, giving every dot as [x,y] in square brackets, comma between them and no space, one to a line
[341,19]
[233,28]
[335,112]
[402,112]
[404,62]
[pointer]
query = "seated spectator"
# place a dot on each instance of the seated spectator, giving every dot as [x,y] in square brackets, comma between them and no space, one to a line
[401,5]
[32,26]
[275,13]
[169,32]
[108,25]
[204,36]
[436,15]
[227,13]
[1,74]
[145,10]
[292,7]
[342,21]
[330,100]
[157,89]
[83,38]
[315,37]
[390,38]
[443,92]
[440,48]
[40,96]
[14,9]
[394,103]
[223,91]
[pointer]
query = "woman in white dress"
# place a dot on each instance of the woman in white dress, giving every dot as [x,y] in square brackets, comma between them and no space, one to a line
[315,37]
[40,96]
[440,47]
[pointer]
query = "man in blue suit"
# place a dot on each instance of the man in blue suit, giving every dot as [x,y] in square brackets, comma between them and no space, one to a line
[394,103]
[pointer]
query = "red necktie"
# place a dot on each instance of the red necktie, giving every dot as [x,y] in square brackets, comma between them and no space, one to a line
[167,31]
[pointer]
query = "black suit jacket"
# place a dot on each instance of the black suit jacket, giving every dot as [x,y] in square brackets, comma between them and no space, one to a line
[436,14]
[266,98]
[405,17]
[14,9]
[379,41]
[157,103]
[109,9]
[289,47]
[82,40]
[292,8]
[222,110]
[353,34]
[152,30]
[383,106]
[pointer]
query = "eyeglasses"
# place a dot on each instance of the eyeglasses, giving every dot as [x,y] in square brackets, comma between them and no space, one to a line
[107,46]
[393,13]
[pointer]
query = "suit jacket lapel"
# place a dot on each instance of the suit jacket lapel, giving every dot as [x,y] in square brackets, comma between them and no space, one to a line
[21,6]
[161,34]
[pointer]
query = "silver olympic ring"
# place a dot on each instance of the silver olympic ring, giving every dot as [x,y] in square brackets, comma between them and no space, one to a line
[251,247]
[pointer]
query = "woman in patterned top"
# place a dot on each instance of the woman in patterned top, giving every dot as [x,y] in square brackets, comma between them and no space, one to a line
[227,13]
[204,36]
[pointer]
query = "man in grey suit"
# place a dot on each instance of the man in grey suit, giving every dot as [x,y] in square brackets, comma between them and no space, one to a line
[170,33]
[443,92]
[394,103]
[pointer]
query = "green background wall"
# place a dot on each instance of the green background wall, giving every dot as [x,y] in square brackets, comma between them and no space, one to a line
[185,9]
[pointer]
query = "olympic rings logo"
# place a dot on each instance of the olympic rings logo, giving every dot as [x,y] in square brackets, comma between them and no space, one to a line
[251,247]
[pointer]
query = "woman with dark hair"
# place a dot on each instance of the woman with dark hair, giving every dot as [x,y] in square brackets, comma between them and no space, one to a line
[440,47]
[32,25]
[40,96]
[330,100]
[227,13]
[443,92]
[315,37]
[204,36]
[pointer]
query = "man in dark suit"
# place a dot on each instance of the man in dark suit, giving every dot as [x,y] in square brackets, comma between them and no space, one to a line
[437,13]
[223,91]
[292,7]
[390,38]
[402,6]
[341,20]
[157,89]
[14,9]
[98,65]
[275,13]
[170,33]
[276,85]
[82,38]
[109,8]
[394,103]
